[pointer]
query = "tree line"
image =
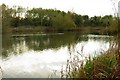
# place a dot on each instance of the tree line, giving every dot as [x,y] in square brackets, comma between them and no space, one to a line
[51,18]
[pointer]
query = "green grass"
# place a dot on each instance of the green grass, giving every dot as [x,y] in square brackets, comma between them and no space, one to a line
[101,66]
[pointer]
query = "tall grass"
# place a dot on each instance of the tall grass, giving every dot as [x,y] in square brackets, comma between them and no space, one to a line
[102,66]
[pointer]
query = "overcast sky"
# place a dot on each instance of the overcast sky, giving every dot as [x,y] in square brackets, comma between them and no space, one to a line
[83,7]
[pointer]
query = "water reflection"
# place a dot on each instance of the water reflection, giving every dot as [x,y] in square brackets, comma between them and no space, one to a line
[35,64]
[40,55]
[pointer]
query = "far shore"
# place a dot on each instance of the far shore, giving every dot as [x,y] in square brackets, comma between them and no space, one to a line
[99,30]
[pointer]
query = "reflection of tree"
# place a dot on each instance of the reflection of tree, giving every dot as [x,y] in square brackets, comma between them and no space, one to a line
[49,41]
[6,44]
[20,44]
[12,45]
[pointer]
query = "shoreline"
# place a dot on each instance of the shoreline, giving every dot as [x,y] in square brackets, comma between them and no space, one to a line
[96,30]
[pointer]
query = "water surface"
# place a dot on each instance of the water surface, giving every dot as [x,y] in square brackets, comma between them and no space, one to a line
[43,55]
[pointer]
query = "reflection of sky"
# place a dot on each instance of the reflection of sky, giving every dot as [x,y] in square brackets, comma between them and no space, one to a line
[91,47]
[32,64]
[37,64]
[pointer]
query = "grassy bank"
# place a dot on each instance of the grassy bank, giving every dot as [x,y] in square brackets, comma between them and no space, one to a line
[102,66]
[98,30]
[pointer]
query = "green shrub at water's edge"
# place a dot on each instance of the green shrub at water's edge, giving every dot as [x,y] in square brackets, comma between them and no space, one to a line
[97,67]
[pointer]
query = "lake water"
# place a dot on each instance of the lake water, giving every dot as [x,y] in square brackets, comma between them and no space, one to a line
[43,55]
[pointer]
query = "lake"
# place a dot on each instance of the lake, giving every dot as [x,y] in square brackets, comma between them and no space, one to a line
[44,55]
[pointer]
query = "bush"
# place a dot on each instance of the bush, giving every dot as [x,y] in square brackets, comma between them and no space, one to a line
[98,67]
